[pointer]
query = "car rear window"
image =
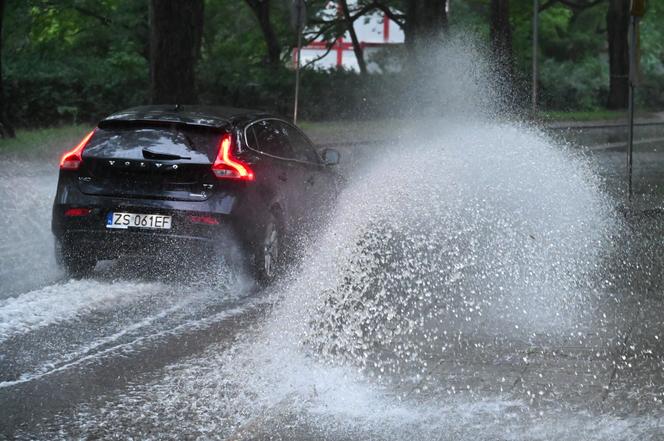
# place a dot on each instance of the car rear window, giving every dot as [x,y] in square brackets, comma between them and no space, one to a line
[129,141]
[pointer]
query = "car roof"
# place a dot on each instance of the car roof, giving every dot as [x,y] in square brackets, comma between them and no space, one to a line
[207,116]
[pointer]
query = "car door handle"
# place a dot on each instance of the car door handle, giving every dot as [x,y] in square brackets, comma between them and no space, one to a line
[283,178]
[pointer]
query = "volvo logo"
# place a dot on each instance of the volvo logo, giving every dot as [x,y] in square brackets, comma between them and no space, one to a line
[141,164]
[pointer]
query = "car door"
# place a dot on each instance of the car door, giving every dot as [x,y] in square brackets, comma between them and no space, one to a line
[316,180]
[268,137]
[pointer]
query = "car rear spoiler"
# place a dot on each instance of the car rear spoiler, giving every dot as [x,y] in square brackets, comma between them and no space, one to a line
[162,118]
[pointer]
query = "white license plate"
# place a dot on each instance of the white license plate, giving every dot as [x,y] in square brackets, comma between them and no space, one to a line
[135,220]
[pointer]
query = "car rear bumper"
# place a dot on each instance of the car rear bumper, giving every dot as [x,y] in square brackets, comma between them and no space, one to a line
[90,235]
[237,214]
[113,243]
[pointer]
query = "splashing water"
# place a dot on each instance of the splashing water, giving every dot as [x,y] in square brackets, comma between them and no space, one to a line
[487,230]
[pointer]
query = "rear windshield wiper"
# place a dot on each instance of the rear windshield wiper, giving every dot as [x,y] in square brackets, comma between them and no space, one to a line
[166,156]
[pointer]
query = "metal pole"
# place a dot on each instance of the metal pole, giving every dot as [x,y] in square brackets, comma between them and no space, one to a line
[633,24]
[535,53]
[297,67]
[297,77]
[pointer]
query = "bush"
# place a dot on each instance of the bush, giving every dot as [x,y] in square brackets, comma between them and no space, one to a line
[574,85]
[49,92]
[333,94]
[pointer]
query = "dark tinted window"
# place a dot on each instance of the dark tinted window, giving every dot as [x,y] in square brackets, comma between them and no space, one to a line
[129,141]
[269,137]
[302,148]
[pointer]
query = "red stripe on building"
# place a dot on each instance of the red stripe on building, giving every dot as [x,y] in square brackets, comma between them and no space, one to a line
[347,46]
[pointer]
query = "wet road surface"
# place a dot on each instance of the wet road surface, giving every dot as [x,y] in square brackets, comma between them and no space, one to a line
[134,352]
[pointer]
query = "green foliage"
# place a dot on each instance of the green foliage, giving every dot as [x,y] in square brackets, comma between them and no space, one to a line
[70,61]
[572,51]
[574,85]
[73,61]
[651,92]
[78,89]
[472,16]
[573,58]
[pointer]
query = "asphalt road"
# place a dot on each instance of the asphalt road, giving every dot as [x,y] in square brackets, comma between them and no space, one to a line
[138,352]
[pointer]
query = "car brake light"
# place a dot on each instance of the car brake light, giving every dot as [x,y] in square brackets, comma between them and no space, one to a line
[228,167]
[207,220]
[77,212]
[72,159]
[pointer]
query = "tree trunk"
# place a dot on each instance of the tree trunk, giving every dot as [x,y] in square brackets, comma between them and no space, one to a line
[176,29]
[617,21]
[501,37]
[359,53]
[426,24]
[261,9]
[6,130]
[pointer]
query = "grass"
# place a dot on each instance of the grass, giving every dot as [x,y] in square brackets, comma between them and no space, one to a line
[50,141]
[584,116]
[335,131]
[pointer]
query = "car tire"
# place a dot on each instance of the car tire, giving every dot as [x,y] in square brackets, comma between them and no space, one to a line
[73,261]
[269,251]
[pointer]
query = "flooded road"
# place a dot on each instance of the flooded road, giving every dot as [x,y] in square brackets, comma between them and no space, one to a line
[494,291]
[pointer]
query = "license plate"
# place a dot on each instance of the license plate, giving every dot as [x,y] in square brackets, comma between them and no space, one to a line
[135,220]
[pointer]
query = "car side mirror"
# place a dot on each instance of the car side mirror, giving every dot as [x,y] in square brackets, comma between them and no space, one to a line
[331,157]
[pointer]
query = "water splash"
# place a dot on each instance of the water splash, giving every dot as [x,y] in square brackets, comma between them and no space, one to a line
[459,233]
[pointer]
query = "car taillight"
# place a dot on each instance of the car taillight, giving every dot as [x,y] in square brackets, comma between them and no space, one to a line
[207,220]
[77,212]
[228,167]
[72,159]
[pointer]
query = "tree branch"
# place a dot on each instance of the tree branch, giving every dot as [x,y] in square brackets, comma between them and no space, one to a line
[339,21]
[81,10]
[397,18]
[357,49]
[329,48]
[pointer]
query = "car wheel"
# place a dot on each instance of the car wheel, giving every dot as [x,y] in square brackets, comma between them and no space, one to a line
[268,252]
[73,261]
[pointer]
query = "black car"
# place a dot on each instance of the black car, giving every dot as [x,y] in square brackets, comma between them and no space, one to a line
[160,179]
